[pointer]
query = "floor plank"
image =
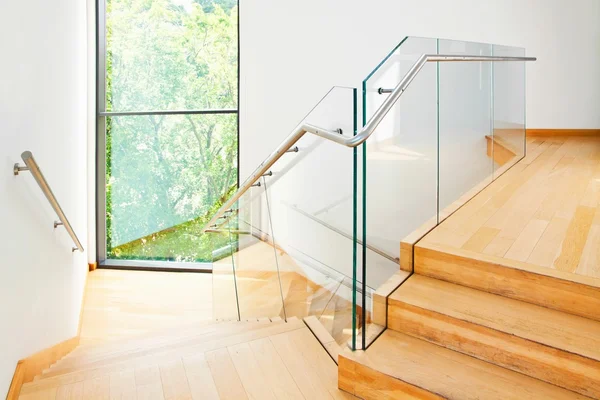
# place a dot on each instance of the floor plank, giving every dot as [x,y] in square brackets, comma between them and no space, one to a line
[97,388]
[575,239]
[200,378]
[526,241]
[297,363]
[225,375]
[122,385]
[73,391]
[274,370]
[148,383]
[174,380]
[250,372]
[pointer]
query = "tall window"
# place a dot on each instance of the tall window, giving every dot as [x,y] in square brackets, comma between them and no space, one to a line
[167,125]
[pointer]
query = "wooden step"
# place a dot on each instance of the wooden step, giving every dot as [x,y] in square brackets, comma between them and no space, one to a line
[129,349]
[123,349]
[501,150]
[159,355]
[121,344]
[398,366]
[559,290]
[549,345]
[284,365]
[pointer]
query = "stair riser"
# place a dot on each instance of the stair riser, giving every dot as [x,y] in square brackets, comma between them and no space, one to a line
[547,291]
[561,368]
[369,384]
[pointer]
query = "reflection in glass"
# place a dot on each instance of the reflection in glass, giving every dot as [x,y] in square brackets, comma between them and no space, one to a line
[166,176]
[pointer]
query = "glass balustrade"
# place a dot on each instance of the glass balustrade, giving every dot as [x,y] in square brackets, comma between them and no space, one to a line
[324,229]
[292,250]
[456,128]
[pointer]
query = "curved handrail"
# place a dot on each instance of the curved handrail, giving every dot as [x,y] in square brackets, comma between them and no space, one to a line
[33,167]
[364,133]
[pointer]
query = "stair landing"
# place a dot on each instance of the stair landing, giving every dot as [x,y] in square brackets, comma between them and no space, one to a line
[543,214]
[540,220]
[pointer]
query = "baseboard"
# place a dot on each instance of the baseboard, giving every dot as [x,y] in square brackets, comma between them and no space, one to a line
[17,382]
[562,132]
[35,364]
[28,368]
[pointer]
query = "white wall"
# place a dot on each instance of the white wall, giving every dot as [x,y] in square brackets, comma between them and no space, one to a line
[42,109]
[292,52]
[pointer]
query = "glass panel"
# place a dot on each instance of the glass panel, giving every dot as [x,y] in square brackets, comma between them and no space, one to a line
[171,55]
[225,300]
[400,166]
[508,109]
[311,199]
[332,234]
[166,175]
[465,124]
[401,155]
[255,258]
[436,147]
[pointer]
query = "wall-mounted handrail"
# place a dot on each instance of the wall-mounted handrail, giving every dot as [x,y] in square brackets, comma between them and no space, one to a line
[364,133]
[33,167]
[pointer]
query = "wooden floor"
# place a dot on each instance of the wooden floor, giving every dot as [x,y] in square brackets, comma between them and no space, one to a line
[545,211]
[276,361]
[150,335]
[122,304]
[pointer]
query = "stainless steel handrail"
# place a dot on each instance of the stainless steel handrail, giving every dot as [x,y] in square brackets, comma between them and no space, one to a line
[33,167]
[364,133]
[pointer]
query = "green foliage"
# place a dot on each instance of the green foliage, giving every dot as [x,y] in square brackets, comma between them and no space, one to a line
[166,174]
[209,5]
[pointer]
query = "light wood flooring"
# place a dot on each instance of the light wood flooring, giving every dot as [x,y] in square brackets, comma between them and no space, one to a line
[232,360]
[149,335]
[545,211]
[122,304]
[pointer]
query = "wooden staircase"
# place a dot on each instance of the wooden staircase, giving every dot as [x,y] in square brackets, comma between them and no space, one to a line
[492,309]
[464,328]
[264,359]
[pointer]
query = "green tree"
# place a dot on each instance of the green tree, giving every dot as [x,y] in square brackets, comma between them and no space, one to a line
[167,173]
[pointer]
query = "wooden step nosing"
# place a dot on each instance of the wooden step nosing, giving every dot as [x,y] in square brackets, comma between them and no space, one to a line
[502,332]
[526,343]
[566,278]
[431,361]
[393,301]
[384,372]
[501,287]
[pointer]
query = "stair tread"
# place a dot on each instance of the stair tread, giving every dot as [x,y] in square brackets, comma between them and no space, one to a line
[449,374]
[126,347]
[163,337]
[552,328]
[100,367]
[122,343]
